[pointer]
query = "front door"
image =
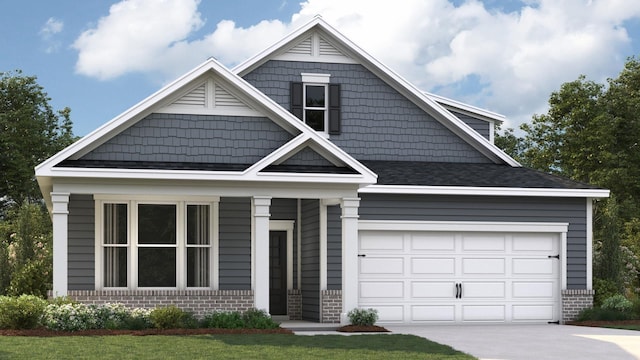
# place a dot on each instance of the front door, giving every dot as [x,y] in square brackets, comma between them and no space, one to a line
[278,272]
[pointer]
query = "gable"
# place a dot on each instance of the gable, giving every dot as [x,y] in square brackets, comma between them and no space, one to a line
[378,123]
[314,47]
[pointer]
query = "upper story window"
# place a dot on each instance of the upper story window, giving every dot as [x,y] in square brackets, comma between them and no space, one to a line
[317,102]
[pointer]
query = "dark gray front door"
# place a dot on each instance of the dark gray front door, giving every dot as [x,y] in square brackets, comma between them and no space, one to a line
[278,272]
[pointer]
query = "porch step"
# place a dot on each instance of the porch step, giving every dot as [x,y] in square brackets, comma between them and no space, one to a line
[302,325]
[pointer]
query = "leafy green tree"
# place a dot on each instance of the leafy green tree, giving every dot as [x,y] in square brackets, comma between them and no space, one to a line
[30,132]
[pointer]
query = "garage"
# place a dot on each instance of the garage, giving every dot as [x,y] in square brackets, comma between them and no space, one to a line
[455,273]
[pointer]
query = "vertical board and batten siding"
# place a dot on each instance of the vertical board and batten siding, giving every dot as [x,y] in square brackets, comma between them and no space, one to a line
[194,139]
[499,209]
[334,247]
[378,123]
[287,209]
[310,262]
[81,243]
[482,127]
[235,243]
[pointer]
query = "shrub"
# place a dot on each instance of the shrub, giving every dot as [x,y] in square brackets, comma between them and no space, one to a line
[22,312]
[223,320]
[70,317]
[618,303]
[604,290]
[111,316]
[600,314]
[171,317]
[258,319]
[138,319]
[363,317]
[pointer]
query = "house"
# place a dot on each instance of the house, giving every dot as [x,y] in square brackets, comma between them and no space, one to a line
[308,181]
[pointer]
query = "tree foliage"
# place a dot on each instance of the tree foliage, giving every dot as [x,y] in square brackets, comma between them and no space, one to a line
[30,132]
[591,134]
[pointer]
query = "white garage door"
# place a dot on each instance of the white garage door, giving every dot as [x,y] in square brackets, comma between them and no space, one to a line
[459,277]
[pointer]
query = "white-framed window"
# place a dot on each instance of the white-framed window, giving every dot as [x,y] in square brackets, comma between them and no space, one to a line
[315,112]
[156,244]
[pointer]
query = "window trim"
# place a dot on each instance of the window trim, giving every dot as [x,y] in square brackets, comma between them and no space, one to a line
[324,109]
[181,239]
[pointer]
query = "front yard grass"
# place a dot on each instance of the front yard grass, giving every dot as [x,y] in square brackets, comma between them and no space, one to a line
[267,346]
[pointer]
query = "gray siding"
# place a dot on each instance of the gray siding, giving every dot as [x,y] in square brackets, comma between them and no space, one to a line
[310,246]
[235,243]
[307,157]
[480,126]
[377,122]
[287,209]
[81,243]
[334,247]
[470,208]
[194,138]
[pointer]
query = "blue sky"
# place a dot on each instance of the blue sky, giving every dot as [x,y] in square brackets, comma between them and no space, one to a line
[102,57]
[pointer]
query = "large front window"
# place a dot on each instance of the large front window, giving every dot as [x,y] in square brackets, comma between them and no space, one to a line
[155,245]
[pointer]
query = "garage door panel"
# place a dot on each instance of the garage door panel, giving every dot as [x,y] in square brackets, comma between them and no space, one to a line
[385,240]
[475,266]
[379,266]
[532,312]
[389,313]
[433,266]
[534,242]
[533,266]
[432,289]
[531,289]
[433,313]
[382,289]
[483,313]
[433,241]
[483,290]
[483,242]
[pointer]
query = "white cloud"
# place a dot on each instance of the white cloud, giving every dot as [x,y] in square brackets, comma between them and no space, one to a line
[508,62]
[52,27]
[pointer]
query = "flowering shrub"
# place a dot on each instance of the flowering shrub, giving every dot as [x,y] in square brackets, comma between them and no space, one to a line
[70,317]
[363,317]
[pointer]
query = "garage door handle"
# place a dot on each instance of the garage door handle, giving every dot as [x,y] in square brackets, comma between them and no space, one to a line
[554,256]
[458,290]
[362,255]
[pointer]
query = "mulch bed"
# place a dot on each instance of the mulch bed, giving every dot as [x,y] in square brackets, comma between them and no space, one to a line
[354,328]
[104,332]
[603,323]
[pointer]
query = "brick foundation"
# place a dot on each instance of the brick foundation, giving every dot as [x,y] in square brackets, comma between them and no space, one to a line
[330,306]
[574,301]
[198,302]
[294,304]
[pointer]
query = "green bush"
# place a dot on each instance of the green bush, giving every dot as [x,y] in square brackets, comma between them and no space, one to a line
[71,317]
[604,290]
[636,308]
[223,320]
[600,314]
[363,317]
[618,303]
[22,312]
[258,319]
[172,317]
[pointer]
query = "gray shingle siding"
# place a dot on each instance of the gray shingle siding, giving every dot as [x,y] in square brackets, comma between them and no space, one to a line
[378,123]
[310,248]
[194,138]
[81,243]
[482,127]
[334,247]
[307,157]
[235,243]
[477,208]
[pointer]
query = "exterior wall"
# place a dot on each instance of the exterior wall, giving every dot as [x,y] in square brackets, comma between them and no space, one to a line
[294,304]
[372,113]
[235,243]
[334,247]
[199,302]
[574,301]
[480,126]
[484,208]
[331,306]
[194,139]
[308,157]
[81,243]
[310,246]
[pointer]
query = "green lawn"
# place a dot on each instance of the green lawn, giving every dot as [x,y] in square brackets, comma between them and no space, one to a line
[226,347]
[624,327]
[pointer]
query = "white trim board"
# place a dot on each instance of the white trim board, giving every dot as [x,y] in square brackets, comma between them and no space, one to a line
[483,191]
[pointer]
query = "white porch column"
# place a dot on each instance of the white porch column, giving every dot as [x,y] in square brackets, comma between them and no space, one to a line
[60,215]
[349,256]
[261,216]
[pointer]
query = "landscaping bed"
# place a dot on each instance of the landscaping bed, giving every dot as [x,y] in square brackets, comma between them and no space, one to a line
[104,332]
[605,323]
[361,328]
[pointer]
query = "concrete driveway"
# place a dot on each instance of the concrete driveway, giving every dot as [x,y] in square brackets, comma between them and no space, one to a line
[514,342]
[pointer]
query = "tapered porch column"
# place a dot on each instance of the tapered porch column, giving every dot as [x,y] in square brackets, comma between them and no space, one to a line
[60,215]
[349,256]
[261,216]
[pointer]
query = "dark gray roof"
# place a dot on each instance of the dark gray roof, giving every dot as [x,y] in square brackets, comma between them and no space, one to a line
[464,174]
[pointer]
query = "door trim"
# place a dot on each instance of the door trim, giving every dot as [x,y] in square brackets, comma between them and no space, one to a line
[286,225]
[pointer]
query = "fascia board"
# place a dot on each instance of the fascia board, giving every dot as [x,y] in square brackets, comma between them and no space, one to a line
[482,114]
[483,191]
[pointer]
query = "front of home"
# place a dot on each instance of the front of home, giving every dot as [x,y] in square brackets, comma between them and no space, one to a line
[308,181]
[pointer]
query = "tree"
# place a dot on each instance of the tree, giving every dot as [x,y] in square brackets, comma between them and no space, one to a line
[30,132]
